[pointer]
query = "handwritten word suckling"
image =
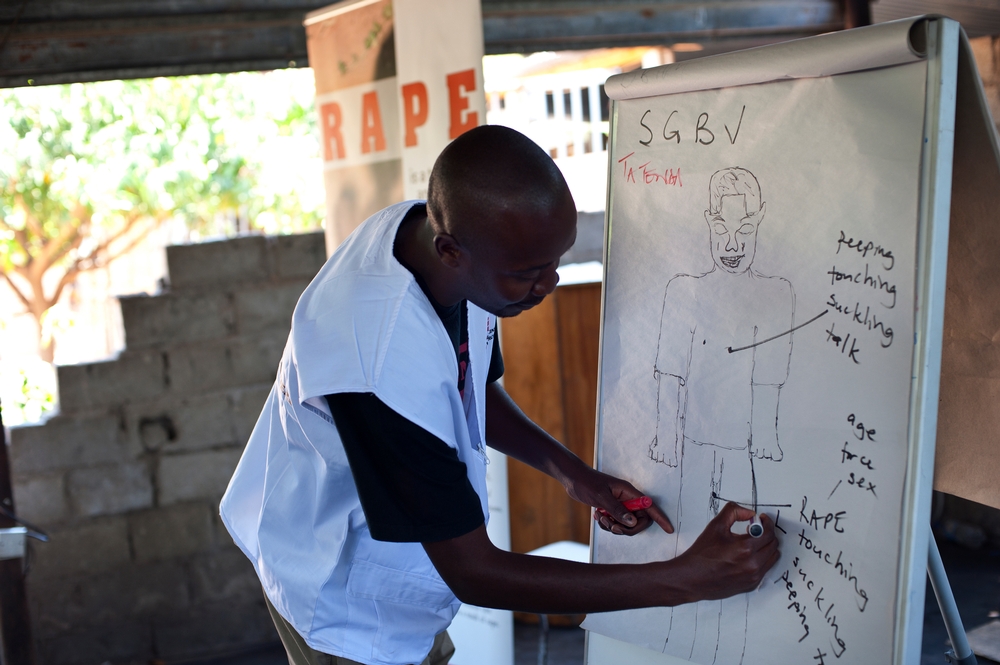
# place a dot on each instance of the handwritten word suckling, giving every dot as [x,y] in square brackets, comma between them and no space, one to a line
[863,317]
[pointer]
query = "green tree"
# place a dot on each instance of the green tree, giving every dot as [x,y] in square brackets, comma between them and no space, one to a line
[86,170]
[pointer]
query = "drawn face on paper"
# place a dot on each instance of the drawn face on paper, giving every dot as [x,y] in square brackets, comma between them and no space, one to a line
[734,234]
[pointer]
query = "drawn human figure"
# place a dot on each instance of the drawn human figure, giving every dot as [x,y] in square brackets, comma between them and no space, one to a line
[719,375]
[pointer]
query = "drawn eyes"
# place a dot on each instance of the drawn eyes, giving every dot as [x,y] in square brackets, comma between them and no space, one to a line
[746,229]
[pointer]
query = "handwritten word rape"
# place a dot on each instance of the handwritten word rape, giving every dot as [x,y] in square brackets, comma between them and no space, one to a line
[648,174]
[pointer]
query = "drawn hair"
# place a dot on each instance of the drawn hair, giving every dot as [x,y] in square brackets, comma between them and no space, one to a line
[733,181]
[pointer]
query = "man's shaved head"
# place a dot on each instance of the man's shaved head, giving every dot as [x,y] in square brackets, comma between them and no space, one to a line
[485,175]
[499,217]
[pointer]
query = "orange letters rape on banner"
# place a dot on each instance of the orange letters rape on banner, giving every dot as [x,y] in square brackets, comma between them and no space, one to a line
[390,94]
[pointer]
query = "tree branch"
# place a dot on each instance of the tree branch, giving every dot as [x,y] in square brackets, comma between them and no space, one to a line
[19,236]
[68,239]
[95,257]
[23,298]
[66,279]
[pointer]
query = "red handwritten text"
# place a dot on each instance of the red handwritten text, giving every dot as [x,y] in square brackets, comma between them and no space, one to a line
[649,174]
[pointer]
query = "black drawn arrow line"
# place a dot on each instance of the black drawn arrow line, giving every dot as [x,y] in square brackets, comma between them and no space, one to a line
[750,506]
[769,339]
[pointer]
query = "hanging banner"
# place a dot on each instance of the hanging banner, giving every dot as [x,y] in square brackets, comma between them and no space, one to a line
[352,54]
[396,81]
[439,47]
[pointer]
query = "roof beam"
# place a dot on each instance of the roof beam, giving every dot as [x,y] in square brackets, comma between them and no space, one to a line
[61,41]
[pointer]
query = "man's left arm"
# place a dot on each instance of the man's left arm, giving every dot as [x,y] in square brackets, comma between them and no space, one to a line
[511,432]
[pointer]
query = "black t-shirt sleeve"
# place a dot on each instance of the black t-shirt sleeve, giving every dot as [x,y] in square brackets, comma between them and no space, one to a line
[413,487]
[496,360]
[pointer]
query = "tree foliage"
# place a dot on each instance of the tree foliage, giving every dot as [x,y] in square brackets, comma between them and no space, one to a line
[86,170]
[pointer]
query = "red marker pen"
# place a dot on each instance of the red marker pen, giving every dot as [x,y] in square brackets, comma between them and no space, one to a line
[638,503]
[631,505]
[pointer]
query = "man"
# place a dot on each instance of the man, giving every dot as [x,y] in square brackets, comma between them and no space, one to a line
[361,496]
[722,357]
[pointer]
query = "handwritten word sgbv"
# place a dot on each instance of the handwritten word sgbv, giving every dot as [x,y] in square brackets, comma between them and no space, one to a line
[671,129]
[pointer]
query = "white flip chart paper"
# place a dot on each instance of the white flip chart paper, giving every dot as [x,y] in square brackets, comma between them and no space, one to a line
[757,347]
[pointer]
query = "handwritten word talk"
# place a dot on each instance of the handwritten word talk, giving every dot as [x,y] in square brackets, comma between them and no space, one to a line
[841,343]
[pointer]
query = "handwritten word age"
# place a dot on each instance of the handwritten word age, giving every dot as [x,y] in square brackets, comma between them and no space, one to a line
[861,432]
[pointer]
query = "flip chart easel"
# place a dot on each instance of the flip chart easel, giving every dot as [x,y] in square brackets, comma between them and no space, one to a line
[838,152]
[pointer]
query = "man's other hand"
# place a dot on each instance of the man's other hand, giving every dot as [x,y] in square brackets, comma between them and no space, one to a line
[606,493]
[721,563]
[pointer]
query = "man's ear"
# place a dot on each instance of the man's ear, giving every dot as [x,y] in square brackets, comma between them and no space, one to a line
[449,252]
[708,218]
[759,217]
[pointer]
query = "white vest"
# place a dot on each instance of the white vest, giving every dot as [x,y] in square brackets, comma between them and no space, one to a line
[362,325]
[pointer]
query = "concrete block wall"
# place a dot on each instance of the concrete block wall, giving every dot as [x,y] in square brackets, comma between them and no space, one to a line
[127,478]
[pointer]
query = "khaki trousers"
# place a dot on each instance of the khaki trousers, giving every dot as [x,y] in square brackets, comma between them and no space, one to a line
[300,653]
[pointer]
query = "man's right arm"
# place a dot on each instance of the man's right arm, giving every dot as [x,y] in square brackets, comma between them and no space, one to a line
[719,564]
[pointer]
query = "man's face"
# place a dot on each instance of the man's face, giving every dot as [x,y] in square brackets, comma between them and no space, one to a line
[518,269]
[734,234]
